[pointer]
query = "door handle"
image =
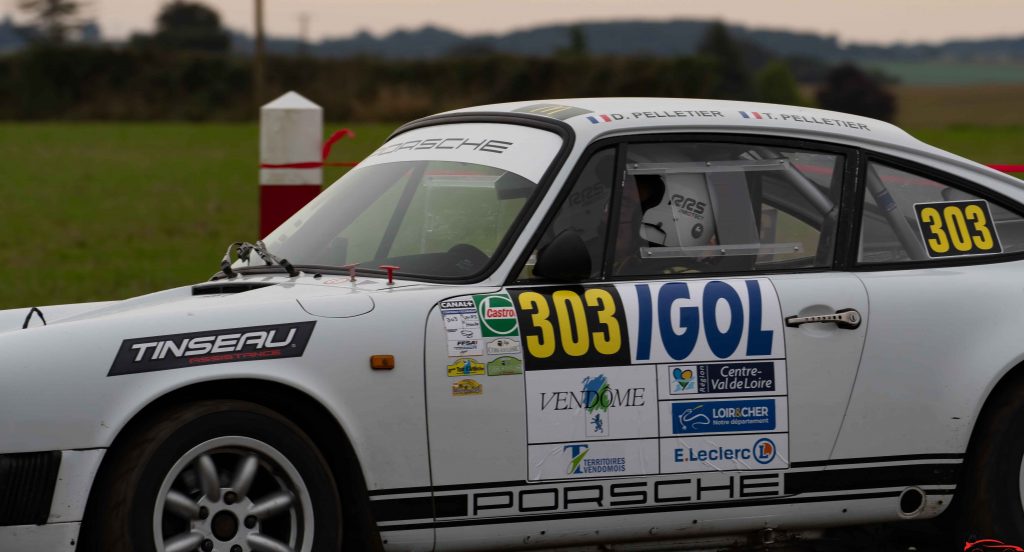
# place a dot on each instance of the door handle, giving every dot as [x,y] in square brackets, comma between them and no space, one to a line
[848,319]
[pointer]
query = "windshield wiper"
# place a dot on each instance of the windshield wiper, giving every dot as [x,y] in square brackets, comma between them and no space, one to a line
[244,249]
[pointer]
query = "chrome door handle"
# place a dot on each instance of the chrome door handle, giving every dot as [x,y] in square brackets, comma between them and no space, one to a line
[848,319]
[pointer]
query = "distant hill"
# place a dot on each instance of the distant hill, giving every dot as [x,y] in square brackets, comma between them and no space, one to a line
[670,38]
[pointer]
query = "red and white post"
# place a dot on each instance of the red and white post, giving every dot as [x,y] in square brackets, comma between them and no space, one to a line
[291,168]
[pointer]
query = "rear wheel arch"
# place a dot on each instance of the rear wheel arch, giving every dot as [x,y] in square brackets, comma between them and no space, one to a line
[998,403]
[322,427]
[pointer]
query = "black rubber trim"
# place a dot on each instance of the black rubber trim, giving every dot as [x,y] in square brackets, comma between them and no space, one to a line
[871,478]
[394,509]
[400,490]
[223,287]
[28,317]
[642,510]
[27,484]
[879,459]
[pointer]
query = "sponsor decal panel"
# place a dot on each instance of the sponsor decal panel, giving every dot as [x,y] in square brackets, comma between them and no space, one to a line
[483,326]
[467,387]
[725,453]
[165,352]
[743,377]
[462,327]
[505,366]
[572,327]
[957,228]
[577,460]
[497,315]
[504,346]
[746,415]
[465,367]
[703,321]
[679,364]
[581,404]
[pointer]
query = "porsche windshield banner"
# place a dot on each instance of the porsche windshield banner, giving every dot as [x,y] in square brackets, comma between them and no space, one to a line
[164,352]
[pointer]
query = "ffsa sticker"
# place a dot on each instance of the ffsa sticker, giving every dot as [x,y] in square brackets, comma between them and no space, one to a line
[572,327]
[955,228]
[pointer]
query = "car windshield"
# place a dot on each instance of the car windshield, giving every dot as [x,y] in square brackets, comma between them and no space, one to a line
[437,202]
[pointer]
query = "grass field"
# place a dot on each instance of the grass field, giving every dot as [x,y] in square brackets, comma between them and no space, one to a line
[108,211]
[943,106]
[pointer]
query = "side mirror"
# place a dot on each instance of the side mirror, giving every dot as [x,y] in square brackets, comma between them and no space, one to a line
[565,259]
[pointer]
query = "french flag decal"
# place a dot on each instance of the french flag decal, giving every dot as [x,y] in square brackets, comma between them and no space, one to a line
[751,115]
[595,119]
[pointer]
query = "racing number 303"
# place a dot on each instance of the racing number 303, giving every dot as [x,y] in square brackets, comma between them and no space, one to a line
[957,228]
[570,328]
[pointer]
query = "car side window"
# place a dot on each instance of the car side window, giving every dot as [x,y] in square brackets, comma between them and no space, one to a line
[714,207]
[583,212]
[908,217]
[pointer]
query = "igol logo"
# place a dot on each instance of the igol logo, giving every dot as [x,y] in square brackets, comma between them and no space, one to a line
[497,314]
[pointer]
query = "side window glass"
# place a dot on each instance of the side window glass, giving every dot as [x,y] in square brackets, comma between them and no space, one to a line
[725,207]
[907,217]
[584,212]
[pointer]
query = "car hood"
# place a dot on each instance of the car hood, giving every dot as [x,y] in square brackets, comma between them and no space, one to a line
[331,297]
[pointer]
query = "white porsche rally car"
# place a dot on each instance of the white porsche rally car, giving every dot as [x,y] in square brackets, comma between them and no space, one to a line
[653,321]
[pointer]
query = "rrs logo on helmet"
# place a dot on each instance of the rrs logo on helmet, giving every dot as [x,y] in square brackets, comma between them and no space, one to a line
[689,206]
[164,352]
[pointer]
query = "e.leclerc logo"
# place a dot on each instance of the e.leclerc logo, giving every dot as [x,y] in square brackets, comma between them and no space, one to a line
[497,315]
[763,452]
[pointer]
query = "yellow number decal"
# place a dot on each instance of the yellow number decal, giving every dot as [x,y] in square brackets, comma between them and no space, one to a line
[609,342]
[982,238]
[956,227]
[939,243]
[569,306]
[544,345]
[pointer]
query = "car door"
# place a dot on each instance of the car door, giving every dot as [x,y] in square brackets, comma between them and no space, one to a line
[936,255]
[667,377]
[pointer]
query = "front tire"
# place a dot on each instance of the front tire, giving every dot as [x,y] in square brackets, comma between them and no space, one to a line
[218,476]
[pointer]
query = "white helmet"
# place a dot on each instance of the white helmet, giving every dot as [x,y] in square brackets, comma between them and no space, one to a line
[683,216]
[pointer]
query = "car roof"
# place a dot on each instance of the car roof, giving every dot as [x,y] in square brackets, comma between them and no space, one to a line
[591,117]
[594,118]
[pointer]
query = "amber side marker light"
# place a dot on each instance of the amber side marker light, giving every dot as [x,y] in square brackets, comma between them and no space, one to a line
[382,362]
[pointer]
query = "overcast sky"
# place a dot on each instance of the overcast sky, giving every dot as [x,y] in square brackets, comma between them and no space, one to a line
[872,21]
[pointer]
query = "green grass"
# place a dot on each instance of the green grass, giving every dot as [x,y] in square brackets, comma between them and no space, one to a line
[108,211]
[997,145]
[945,106]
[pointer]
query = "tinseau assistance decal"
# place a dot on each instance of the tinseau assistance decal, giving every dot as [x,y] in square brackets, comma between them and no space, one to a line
[165,352]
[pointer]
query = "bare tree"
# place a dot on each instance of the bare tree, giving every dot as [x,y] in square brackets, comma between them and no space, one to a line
[54,19]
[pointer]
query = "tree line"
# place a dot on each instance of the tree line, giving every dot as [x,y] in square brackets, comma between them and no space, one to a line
[184,70]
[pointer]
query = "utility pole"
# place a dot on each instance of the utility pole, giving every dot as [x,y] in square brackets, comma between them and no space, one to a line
[259,82]
[303,34]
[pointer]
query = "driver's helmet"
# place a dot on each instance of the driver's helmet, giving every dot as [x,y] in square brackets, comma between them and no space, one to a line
[683,216]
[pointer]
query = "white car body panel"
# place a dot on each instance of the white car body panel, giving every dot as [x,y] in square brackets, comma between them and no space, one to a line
[903,390]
